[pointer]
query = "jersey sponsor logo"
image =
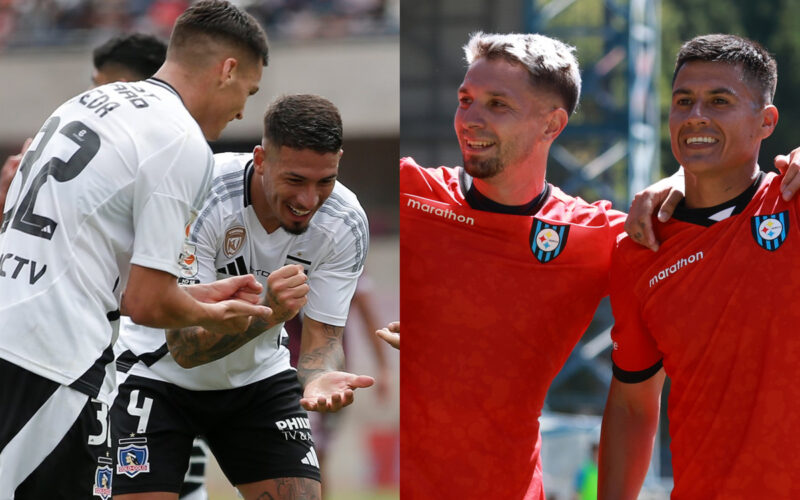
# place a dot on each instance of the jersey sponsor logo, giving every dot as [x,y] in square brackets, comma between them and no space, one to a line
[234,239]
[133,459]
[188,261]
[770,231]
[444,213]
[548,240]
[9,270]
[102,479]
[674,268]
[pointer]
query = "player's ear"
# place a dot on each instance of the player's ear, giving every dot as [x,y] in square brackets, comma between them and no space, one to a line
[258,159]
[228,70]
[769,119]
[556,121]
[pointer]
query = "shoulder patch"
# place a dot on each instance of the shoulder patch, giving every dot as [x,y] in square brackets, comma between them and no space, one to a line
[234,239]
[770,231]
[547,240]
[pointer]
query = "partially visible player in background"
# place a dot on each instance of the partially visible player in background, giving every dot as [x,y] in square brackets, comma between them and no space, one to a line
[87,228]
[127,58]
[278,213]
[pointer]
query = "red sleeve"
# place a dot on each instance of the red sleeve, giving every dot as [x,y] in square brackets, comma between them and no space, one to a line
[635,355]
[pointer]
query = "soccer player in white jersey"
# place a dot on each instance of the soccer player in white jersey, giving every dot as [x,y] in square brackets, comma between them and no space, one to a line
[87,231]
[279,214]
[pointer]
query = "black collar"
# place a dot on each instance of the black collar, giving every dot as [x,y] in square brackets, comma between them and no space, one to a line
[708,216]
[248,180]
[478,201]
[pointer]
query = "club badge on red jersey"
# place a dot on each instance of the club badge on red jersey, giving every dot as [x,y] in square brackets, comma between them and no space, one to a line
[102,479]
[770,231]
[548,240]
[132,459]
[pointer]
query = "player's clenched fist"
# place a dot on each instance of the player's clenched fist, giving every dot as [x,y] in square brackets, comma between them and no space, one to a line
[286,292]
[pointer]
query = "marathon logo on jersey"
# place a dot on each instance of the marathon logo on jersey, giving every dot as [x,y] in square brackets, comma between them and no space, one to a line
[295,428]
[548,240]
[234,239]
[134,458]
[102,479]
[770,231]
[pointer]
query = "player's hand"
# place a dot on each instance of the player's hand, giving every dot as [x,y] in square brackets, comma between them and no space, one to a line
[286,291]
[244,288]
[235,316]
[332,391]
[664,194]
[9,168]
[391,333]
[789,166]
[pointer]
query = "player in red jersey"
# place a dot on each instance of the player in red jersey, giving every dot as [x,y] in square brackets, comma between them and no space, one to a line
[701,309]
[501,275]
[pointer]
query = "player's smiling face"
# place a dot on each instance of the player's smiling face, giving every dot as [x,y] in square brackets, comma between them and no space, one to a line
[294,183]
[717,120]
[500,116]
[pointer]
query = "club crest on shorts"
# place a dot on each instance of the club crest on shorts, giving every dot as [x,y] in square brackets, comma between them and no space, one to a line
[234,239]
[102,479]
[770,231]
[132,459]
[548,240]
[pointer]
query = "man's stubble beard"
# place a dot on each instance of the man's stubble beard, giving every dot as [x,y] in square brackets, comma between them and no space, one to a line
[483,168]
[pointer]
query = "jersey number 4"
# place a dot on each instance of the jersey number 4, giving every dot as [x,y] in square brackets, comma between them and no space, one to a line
[20,216]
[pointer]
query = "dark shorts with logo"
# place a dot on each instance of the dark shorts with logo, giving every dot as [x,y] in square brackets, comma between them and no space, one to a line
[255,432]
[53,440]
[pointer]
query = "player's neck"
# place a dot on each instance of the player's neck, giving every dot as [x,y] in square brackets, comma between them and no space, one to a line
[515,185]
[708,189]
[189,83]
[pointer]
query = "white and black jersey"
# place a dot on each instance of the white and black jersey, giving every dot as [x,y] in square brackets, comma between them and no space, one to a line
[111,179]
[227,239]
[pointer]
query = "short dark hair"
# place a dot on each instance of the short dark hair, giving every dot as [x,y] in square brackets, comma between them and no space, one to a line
[551,63]
[138,53]
[304,121]
[757,64]
[222,20]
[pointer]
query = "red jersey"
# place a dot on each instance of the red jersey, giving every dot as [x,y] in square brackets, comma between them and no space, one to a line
[714,304]
[491,306]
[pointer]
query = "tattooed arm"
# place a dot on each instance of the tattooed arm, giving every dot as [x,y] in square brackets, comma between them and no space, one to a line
[195,346]
[325,387]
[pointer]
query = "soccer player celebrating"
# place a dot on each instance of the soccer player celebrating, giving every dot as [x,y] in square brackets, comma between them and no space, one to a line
[699,310]
[107,181]
[280,214]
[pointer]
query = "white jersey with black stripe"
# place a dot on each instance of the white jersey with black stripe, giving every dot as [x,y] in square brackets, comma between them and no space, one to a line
[110,178]
[227,239]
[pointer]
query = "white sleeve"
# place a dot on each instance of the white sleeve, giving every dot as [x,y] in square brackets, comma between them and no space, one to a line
[332,284]
[169,187]
[203,242]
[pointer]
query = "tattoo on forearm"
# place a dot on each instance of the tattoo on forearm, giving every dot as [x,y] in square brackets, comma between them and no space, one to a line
[324,358]
[194,346]
[291,488]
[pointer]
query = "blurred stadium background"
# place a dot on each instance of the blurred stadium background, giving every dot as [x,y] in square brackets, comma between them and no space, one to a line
[345,50]
[613,146]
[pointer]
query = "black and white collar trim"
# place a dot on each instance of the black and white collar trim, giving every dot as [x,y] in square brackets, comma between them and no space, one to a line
[478,201]
[709,216]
